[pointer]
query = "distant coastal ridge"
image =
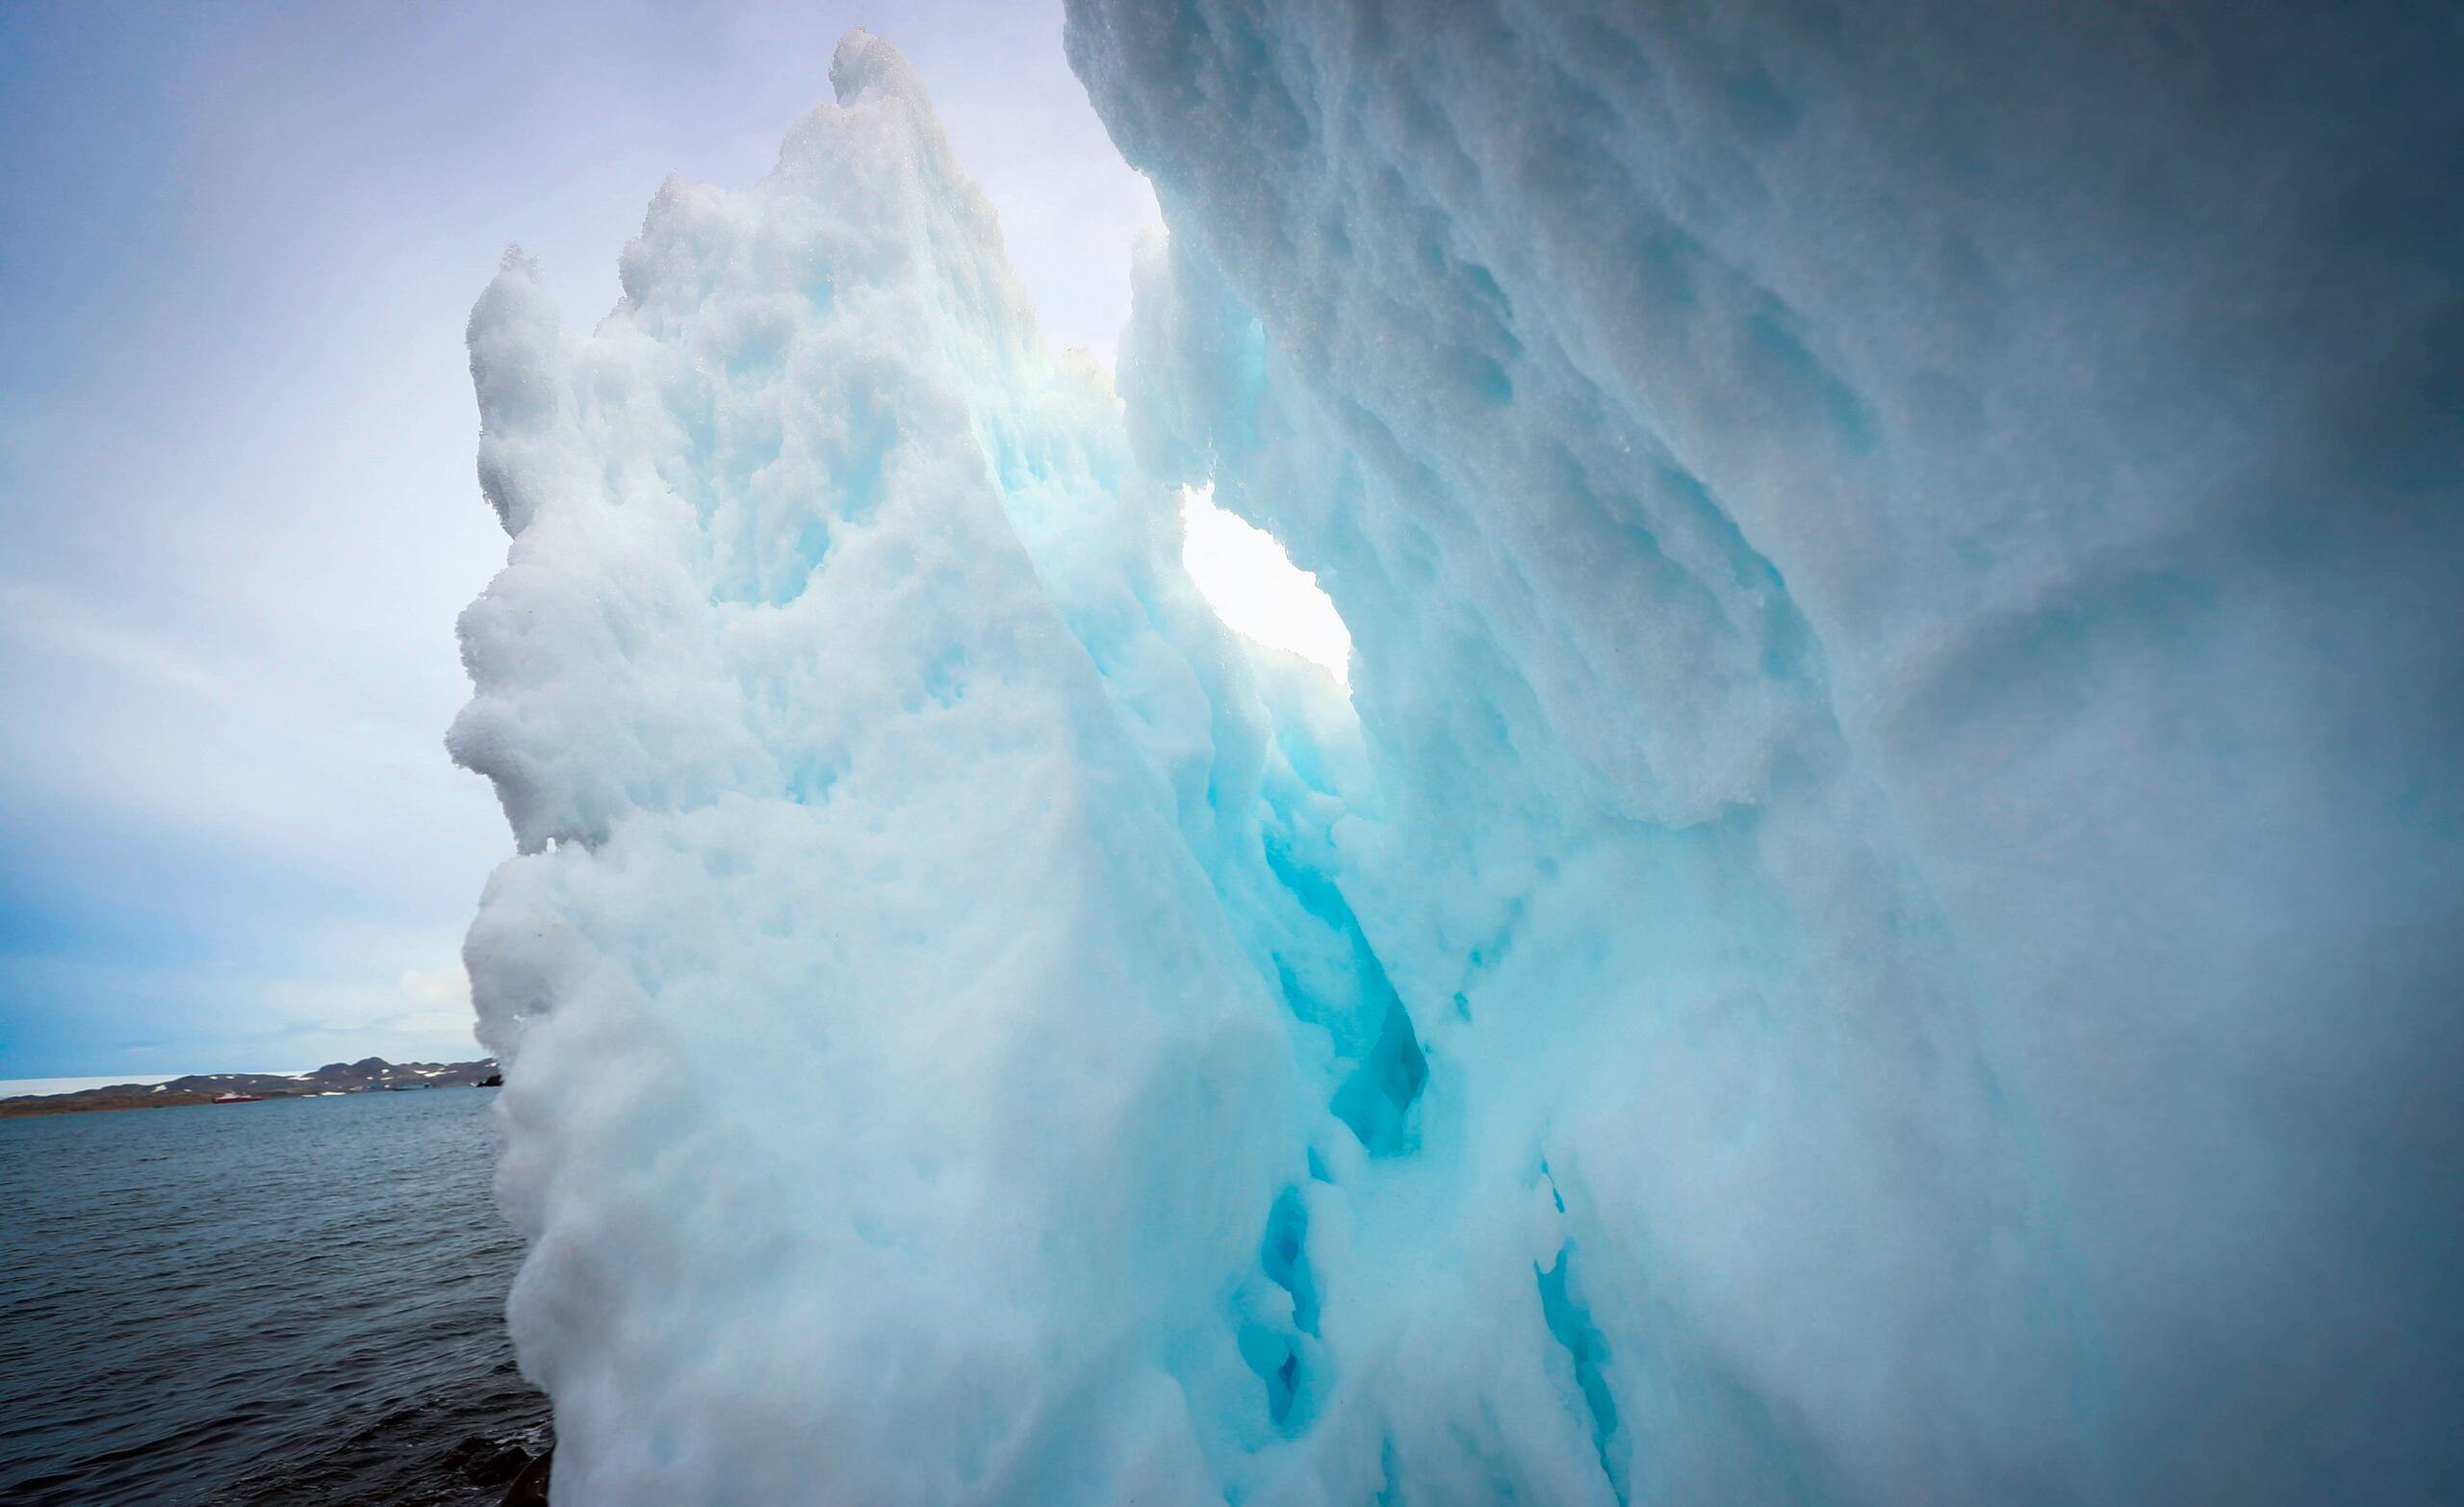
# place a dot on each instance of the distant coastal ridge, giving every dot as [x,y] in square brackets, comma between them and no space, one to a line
[368,1075]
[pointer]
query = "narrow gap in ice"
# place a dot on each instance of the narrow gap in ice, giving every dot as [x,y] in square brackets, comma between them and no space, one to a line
[1249,580]
[1570,1324]
[1285,1255]
[1376,1099]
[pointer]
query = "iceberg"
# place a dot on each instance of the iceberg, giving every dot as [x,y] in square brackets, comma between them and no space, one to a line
[1870,914]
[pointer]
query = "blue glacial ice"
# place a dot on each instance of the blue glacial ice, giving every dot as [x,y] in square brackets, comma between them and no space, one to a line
[1876,921]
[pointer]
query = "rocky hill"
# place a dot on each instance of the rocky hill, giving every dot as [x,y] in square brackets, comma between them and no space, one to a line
[368,1075]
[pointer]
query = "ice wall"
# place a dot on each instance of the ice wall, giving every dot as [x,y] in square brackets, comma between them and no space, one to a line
[887,1098]
[1872,925]
[1903,569]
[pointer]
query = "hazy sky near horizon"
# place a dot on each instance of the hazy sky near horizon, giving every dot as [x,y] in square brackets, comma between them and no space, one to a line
[237,507]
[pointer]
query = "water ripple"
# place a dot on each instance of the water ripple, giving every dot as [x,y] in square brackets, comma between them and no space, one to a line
[291,1302]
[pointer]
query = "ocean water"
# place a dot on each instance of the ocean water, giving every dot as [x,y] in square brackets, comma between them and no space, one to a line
[294,1302]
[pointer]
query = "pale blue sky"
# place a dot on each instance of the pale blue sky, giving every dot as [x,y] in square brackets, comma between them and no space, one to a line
[237,507]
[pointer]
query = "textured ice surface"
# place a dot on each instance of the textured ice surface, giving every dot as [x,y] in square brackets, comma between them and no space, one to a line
[892,1099]
[1878,921]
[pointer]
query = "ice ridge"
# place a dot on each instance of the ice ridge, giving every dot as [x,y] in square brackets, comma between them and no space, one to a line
[1871,924]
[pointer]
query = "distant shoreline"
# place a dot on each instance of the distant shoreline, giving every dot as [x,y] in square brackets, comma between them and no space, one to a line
[369,1075]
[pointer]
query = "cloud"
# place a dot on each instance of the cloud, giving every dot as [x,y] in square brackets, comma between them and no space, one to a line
[236,458]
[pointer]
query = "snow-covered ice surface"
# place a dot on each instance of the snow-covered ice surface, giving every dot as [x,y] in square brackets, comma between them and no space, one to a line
[1877,921]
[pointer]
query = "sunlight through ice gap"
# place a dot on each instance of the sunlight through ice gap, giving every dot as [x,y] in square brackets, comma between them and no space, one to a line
[1253,586]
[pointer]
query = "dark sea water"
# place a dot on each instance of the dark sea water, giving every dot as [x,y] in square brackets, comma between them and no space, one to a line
[294,1302]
